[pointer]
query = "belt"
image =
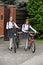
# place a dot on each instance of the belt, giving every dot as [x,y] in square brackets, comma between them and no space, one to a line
[10,29]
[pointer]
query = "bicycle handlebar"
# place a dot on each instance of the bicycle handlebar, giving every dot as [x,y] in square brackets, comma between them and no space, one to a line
[29,32]
[33,32]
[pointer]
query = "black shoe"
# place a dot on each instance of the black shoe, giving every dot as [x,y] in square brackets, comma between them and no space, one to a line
[25,49]
[10,49]
[17,46]
[29,47]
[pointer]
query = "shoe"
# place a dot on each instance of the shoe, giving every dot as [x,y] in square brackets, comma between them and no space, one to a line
[29,47]
[17,46]
[25,49]
[10,49]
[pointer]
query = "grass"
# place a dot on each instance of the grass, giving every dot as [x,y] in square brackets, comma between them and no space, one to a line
[39,41]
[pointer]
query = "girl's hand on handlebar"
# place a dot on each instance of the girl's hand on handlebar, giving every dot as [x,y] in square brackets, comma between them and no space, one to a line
[19,28]
[36,32]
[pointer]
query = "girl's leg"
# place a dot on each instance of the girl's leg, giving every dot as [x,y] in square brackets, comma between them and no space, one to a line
[26,43]
[11,43]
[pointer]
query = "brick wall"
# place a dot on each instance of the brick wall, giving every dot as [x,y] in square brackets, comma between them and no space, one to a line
[5,13]
[1,20]
[12,12]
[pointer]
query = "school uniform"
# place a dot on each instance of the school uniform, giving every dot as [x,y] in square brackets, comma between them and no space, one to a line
[25,29]
[10,27]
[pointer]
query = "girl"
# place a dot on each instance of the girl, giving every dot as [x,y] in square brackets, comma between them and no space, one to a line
[25,29]
[9,26]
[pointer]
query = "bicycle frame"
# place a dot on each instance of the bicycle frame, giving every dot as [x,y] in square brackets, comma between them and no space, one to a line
[31,40]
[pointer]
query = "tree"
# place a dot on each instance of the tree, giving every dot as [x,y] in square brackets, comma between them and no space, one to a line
[34,10]
[10,2]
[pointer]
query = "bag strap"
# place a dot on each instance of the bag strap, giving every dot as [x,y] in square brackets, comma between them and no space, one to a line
[28,27]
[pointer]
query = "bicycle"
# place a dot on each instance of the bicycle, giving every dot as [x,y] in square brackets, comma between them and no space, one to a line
[31,40]
[16,41]
[32,45]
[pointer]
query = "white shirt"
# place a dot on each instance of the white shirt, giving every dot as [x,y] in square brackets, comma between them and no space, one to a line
[25,28]
[10,25]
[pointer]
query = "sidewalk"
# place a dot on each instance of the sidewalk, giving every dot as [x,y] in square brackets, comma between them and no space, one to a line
[21,57]
[36,60]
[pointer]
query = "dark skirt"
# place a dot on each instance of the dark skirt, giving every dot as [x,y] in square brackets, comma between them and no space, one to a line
[10,33]
[26,35]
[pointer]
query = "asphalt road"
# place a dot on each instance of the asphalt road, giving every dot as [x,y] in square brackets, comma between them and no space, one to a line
[21,57]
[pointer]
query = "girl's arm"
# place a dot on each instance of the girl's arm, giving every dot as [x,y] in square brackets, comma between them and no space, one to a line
[32,29]
[7,25]
[16,26]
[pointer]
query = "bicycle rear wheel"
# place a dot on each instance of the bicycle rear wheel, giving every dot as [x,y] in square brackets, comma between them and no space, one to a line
[15,45]
[33,47]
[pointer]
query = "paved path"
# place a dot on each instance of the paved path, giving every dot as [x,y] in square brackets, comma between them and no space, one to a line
[36,60]
[21,57]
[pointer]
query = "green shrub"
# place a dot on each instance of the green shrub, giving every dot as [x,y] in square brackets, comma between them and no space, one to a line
[34,10]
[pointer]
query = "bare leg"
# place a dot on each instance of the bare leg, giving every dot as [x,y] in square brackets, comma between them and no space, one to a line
[26,43]
[11,43]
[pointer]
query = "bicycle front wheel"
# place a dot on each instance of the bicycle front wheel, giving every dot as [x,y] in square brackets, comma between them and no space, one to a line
[33,47]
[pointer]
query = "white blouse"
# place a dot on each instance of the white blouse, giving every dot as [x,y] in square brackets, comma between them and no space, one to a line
[25,28]
[10,25]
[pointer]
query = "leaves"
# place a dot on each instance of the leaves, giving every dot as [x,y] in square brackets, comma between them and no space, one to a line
[34,10]
[10,2]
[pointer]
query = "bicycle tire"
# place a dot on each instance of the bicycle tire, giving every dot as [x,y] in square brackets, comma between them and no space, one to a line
[33,47]
[14,45]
